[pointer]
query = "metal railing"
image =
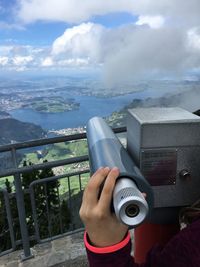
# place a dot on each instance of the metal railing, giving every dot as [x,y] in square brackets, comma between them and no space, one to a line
[71,201]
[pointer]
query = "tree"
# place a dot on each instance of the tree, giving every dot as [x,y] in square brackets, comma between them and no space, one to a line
[4,229]
[52,204]
[53,215]
[49,208]
[66,215]
[8,186]
[5,242]
[27,179]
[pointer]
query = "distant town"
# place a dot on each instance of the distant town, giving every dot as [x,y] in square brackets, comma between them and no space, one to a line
[41,101]
[68,131]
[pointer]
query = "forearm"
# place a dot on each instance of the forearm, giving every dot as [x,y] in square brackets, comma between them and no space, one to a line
[107,246]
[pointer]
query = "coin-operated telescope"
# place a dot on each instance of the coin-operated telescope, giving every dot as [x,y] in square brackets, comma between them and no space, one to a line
[165,145]
[129,204]
[161,159]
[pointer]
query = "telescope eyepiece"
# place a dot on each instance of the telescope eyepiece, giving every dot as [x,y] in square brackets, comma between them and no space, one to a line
[130,205]
[132,210]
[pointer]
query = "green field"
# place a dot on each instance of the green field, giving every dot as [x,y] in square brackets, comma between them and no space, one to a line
[62,151]
[53,105]
[59,151]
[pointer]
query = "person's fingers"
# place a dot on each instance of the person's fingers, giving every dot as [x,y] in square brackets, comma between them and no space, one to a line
[91,192]
[107,192]
[144,195]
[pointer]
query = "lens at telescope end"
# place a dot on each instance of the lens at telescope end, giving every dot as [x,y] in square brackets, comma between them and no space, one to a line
[132,210]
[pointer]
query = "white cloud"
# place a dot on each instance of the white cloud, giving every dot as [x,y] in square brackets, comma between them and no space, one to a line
[3,61]
[79,42]
[171,43]
[76,11]
[47,62]
[194,38]
[72,11]
[74,62]
[153,21]
[127,52]
[144,51]
[20,57]
[65,63]
[20,60]
[5,50]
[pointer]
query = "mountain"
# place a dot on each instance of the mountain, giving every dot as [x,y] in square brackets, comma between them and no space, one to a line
[12,130]
[3,114]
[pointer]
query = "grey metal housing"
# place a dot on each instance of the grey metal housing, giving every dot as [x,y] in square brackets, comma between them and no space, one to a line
[165,144]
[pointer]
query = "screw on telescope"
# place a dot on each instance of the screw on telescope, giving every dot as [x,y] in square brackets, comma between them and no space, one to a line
[132,210]
[184,174]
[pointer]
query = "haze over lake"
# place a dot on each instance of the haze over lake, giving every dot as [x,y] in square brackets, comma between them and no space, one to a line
[91,97]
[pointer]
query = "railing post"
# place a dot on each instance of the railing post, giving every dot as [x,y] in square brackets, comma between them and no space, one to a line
[21,212]
[22,218]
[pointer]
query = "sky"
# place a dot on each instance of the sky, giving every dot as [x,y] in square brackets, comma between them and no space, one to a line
[123,39]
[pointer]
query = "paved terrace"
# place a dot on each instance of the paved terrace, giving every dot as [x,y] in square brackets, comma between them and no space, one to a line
[63,252]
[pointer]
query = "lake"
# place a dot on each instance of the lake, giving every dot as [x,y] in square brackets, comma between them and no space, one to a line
[89,106]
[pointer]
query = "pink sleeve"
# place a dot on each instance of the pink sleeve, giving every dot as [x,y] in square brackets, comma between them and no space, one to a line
[109,249]
[118,255]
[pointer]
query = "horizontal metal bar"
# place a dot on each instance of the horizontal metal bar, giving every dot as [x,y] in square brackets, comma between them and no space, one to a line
[53,178]
[43,166]
[44,141]
[52,140]
[6,252]
[62,235]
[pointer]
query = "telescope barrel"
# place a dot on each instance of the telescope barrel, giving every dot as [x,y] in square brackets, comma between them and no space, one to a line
[105,149]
